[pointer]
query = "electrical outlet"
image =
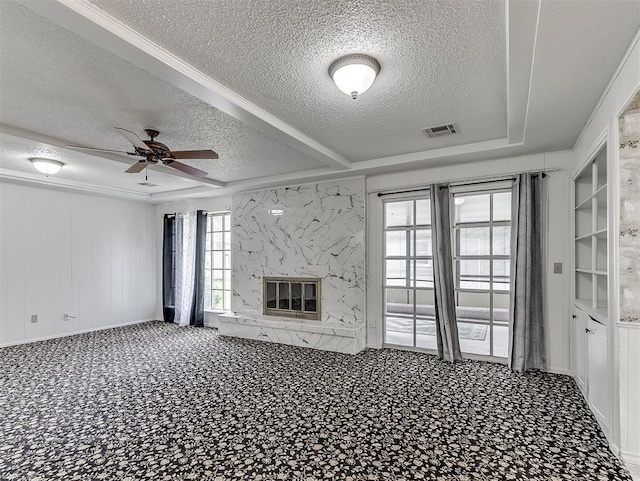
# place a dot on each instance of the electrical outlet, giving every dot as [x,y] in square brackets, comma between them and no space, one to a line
[557,268]
[34,318]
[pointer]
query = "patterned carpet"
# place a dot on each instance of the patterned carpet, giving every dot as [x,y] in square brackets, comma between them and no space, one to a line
[155,401]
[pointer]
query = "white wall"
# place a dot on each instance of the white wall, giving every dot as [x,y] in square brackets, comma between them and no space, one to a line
[625,368]
[61,252]
[556,294]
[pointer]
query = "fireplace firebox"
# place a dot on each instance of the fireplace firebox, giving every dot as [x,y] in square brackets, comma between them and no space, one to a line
[297,297]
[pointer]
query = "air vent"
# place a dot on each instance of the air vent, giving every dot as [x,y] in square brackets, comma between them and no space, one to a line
[147,184]
[440,130]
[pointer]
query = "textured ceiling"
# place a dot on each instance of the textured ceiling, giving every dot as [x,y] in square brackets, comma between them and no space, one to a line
[57,84]
[441,62]
[84,169]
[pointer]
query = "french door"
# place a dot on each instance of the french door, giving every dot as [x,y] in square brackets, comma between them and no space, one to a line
[481,224]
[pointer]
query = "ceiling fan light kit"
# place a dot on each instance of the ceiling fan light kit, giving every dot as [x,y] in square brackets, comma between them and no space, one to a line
[354,74]
[153,152]
[46,166]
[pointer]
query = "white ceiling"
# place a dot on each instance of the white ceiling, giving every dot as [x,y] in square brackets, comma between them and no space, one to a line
[249,80]
[426,51]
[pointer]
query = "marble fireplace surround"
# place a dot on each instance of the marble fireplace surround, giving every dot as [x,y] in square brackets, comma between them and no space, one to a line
[319,234]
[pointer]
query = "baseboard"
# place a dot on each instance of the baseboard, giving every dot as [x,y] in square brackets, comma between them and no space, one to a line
[632,463]
[631,459]
[559,370]
[75,333]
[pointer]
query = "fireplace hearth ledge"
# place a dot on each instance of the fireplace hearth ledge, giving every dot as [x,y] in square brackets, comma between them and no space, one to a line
[294,332]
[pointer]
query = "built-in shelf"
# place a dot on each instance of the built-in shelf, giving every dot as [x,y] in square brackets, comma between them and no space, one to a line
[591,237]
[591,359]
[598,314]
[601,233]
[591,271]
[600,194]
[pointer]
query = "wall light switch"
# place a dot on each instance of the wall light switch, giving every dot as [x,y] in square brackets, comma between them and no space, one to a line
[34,318]
[557,268]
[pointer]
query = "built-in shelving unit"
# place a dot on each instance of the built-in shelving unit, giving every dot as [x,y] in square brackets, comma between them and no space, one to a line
[591,237]
[591,362]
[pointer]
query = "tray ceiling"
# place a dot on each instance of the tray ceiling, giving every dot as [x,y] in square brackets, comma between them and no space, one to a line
[249,80]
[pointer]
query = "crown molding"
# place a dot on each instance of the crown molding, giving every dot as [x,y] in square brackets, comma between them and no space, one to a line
[59,144]
[105,31]
[39,180]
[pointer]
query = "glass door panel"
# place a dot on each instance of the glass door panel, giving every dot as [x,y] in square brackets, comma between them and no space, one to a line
[474,321]
[399,316]
[425,319]
[408,273]
[399,272]
[482,234]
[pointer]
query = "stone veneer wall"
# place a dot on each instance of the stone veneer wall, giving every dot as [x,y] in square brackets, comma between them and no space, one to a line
[629,125]
[320,234]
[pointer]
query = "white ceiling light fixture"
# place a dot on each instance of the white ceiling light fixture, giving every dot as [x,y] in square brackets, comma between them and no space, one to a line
[354,74]
[46,166]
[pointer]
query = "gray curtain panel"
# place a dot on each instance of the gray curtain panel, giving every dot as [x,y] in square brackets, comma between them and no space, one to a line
[526,322]
[445,302]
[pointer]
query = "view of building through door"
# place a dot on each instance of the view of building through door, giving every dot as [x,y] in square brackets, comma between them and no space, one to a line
[481,223]
[408,279]
[482,260]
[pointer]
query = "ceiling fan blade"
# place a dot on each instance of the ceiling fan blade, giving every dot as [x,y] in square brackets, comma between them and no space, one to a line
[80,147]
[194,154]
[137,167]
[186,168]
[132,137]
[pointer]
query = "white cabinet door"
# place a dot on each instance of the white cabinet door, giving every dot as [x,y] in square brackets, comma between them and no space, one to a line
[579,349]
[598,371]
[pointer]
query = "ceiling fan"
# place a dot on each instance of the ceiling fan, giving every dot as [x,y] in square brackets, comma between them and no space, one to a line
[154,152]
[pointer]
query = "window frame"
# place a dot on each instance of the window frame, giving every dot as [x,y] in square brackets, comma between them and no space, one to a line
[209,261]
[410,279]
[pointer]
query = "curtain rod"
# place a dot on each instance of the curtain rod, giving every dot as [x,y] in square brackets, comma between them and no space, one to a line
[464,182]
[181,213]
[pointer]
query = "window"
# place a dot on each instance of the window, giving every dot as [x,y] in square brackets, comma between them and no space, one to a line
[408,273]
[482,261]
[217,294]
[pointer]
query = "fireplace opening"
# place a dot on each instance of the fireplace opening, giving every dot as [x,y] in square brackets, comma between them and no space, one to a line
[297,297]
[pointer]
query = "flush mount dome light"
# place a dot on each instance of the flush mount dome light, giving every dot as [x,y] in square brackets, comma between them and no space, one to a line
[354,74]
[47,166]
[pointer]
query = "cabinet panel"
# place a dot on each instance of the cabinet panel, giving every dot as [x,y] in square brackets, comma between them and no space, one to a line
[579,350]
[598,371]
